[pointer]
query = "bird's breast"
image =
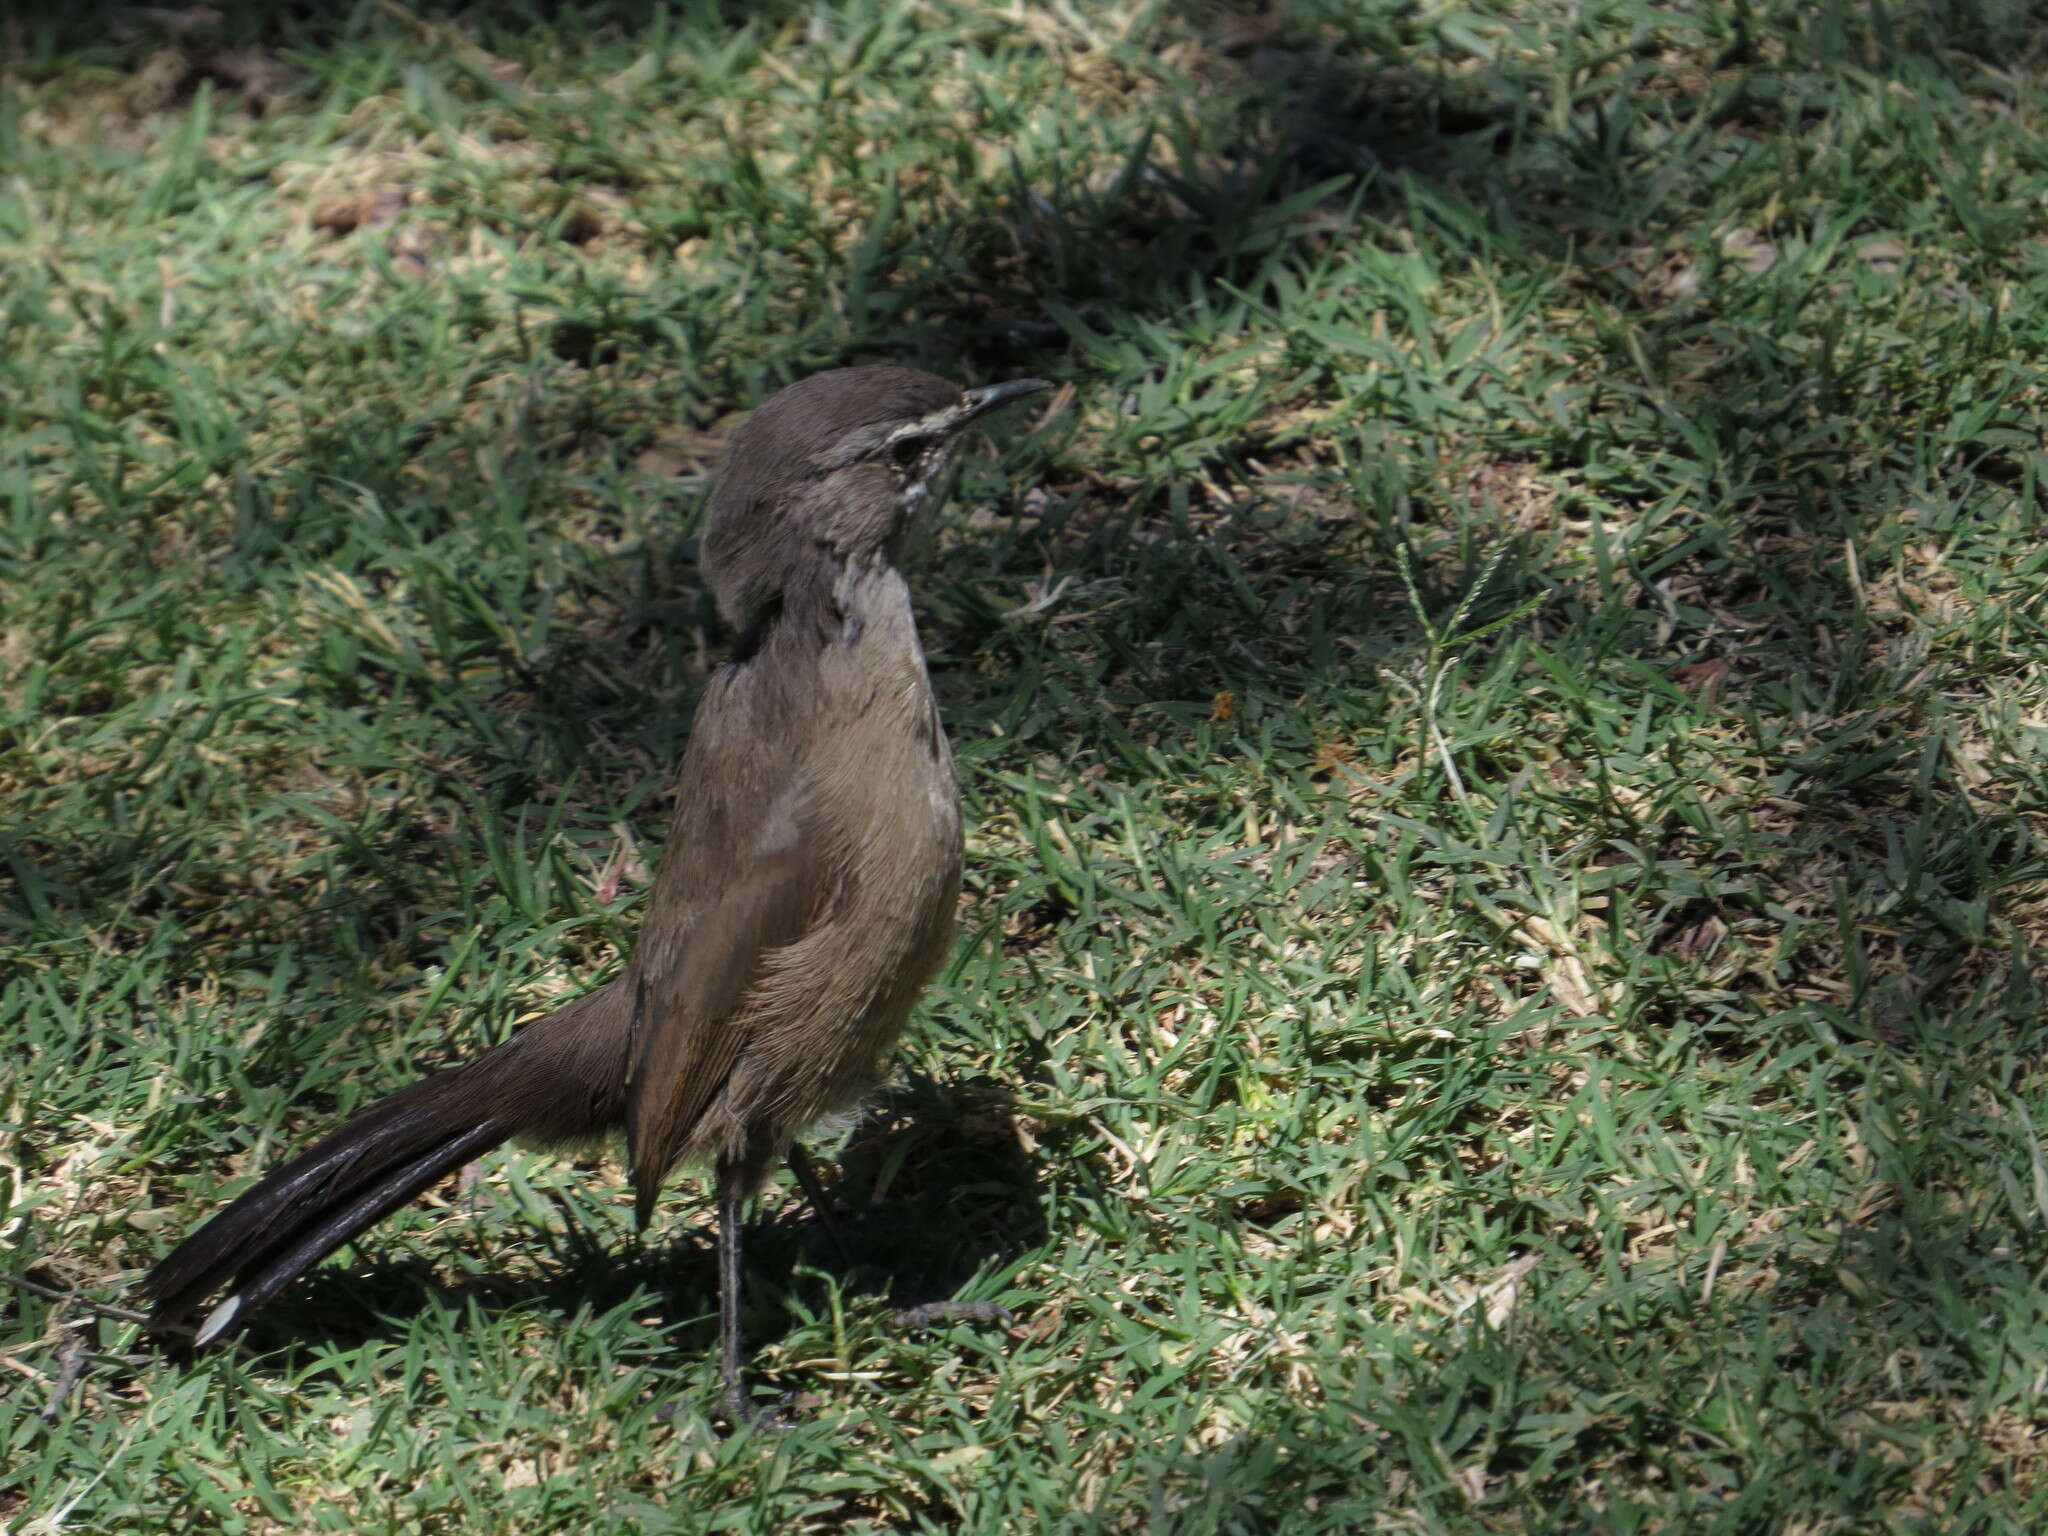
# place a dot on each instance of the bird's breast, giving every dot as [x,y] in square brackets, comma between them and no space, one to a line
[878,788]
[890,769]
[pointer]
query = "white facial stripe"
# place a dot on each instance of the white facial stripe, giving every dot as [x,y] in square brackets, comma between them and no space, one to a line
[936,424]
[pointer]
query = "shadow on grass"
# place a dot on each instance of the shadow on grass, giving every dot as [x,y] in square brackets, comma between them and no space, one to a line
[930,1192]
[309,24]
[1202,592]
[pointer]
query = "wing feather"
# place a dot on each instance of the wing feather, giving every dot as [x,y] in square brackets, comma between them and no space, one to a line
[746,876]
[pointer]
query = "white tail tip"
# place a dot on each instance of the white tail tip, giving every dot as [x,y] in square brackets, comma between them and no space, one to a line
[218,1321]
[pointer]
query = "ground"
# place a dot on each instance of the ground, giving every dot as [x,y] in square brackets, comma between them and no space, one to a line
[1500,708]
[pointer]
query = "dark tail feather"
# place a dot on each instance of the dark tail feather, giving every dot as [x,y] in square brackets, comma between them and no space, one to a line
[270,1237]
[558,1079]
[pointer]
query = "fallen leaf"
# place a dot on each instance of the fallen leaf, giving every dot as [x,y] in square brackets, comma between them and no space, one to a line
[1704,676]
[660,463]
[409,247]
[257,72]
[1698,941]
[1501,1294]
[1750,251]
[365,210]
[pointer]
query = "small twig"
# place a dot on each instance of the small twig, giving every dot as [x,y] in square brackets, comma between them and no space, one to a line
[70,1365]
[34,1288]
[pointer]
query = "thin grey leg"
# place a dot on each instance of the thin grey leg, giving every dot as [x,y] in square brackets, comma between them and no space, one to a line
[729,1297]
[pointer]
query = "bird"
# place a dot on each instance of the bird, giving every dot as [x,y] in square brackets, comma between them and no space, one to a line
[803,899]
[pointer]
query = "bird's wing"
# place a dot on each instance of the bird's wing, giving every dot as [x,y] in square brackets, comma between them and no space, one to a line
[744,873]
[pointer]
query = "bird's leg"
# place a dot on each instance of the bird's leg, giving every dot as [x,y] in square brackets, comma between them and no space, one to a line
[729,1293]
[806,1173]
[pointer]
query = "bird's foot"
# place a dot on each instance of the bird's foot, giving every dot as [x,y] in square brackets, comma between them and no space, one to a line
[739,1413]
[743,1415]
[933,1314]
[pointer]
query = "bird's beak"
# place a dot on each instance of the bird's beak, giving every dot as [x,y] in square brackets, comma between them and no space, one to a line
[979,402]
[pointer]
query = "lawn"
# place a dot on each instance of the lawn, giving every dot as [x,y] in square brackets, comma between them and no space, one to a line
[1501,710]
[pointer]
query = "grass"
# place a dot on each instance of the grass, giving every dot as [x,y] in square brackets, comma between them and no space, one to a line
[1502,719]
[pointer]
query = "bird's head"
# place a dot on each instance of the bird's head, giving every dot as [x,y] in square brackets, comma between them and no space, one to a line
[846,462]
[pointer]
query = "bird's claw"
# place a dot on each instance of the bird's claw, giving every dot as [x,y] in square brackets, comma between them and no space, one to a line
[933,1314]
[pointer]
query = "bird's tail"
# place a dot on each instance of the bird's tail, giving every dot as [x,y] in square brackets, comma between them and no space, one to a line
[559,1079]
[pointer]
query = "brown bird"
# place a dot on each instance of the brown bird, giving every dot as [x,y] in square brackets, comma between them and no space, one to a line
[805,893]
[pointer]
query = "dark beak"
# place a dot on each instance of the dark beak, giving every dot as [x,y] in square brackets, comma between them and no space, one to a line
[985,399]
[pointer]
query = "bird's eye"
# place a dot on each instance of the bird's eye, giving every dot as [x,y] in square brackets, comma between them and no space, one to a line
[905,452]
